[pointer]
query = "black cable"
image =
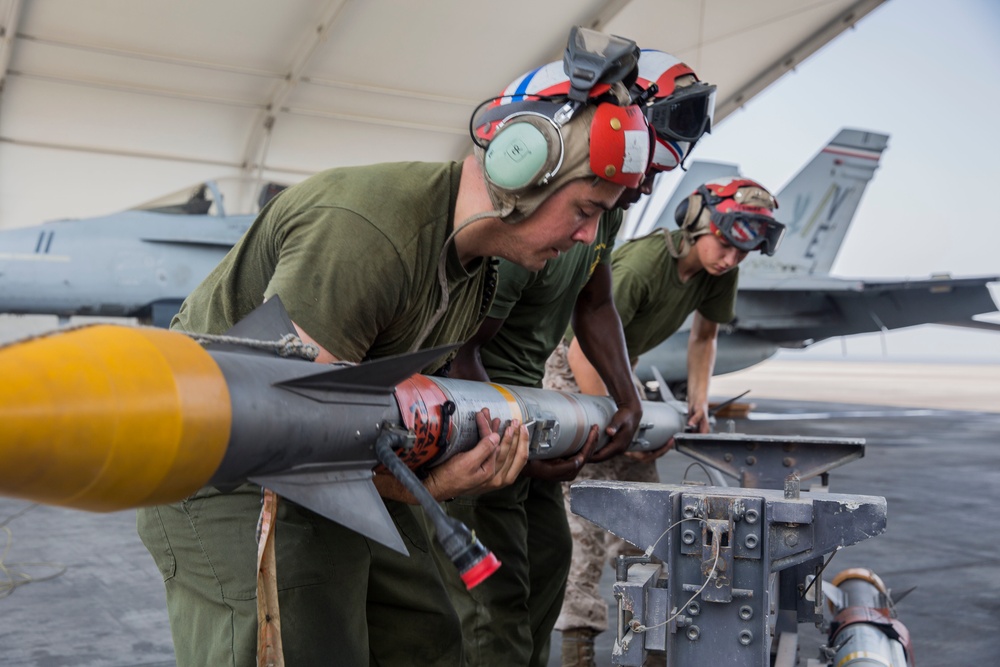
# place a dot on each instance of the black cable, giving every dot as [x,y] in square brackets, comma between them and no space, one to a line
[473,561]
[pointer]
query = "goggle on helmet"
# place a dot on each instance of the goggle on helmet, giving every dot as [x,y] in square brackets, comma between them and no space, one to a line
[679,115]
[744,226]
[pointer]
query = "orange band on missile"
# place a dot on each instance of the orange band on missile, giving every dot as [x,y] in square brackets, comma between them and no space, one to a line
[862,573]
[109,417]
[420,400]
[515,407]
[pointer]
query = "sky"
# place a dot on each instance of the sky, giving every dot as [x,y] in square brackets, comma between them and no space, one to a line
[928,74]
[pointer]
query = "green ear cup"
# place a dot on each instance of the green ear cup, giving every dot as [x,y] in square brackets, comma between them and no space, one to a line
[516,158]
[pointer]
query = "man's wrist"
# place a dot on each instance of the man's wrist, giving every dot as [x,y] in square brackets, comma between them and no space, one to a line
[633,402]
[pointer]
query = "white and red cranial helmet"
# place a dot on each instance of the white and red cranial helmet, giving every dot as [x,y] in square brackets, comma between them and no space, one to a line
[679,111]
[525,146]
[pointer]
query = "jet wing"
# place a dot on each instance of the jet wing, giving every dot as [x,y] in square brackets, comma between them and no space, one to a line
[199,231]
[209,241]
[802,310]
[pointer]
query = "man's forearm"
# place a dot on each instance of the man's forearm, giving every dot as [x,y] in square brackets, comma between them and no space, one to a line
[701,363]
[600,337]
[468,362]
[391,488]
[468,365]
[587,378]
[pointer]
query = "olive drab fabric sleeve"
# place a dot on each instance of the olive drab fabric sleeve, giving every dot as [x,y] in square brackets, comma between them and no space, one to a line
[719,305]
[343,289]
[653,302]
[353,253]
[537,307]
[511,282]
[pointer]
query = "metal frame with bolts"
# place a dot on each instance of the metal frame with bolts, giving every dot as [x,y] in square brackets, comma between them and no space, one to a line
[729,572]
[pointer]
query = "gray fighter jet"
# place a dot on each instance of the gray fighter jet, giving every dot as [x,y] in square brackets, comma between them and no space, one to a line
[139,263]
[143,263]
[790,300]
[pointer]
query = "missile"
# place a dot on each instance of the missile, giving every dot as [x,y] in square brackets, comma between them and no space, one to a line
[108,417]
[865,630]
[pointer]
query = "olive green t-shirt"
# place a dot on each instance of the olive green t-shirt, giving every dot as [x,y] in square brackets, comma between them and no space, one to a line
[537,307]
[652,301]
[353,254]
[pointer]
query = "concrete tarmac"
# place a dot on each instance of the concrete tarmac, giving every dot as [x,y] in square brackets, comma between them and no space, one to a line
[938,468]
[939,471]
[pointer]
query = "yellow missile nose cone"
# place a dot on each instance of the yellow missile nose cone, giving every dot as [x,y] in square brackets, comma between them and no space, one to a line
[109,417]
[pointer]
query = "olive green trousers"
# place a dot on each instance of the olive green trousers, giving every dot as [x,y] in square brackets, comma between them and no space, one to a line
[344,599]
[508,619]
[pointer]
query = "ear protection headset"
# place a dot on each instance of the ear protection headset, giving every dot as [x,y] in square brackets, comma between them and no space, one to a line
[521,131]
[681,213]
[527,146]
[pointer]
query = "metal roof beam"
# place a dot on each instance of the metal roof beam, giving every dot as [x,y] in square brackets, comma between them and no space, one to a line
[597,21]
[146,155]
[795,56]
[254,154]
[610,10]
[132,54]
[101,84]
[8,30]
[391,92]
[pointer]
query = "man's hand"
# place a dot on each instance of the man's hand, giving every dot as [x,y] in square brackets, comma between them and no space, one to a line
[649,457]
[493,463]
[698,418]
[564,470]
[621,430]
[511,456]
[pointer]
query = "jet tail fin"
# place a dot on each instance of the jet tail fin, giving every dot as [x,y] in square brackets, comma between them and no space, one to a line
[819,203]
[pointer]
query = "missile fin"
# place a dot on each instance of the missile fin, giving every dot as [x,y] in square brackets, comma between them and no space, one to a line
[378,376]
[345,496]
[834,596]
[268,321]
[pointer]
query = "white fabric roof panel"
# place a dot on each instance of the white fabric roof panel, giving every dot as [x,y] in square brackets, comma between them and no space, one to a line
[156,94]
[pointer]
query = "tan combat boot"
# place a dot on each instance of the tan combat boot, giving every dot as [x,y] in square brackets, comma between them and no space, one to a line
[578,647]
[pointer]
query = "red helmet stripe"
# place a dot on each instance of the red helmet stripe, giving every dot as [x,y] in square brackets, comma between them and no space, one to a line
[668,80]
[729,188]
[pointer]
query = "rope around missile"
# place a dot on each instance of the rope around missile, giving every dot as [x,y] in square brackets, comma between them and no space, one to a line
[288,345]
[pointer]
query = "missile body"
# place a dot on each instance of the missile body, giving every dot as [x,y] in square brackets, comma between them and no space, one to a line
[106,417]
[865,631]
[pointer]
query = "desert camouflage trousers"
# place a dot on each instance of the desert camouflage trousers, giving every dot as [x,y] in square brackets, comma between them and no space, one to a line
[583,604]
